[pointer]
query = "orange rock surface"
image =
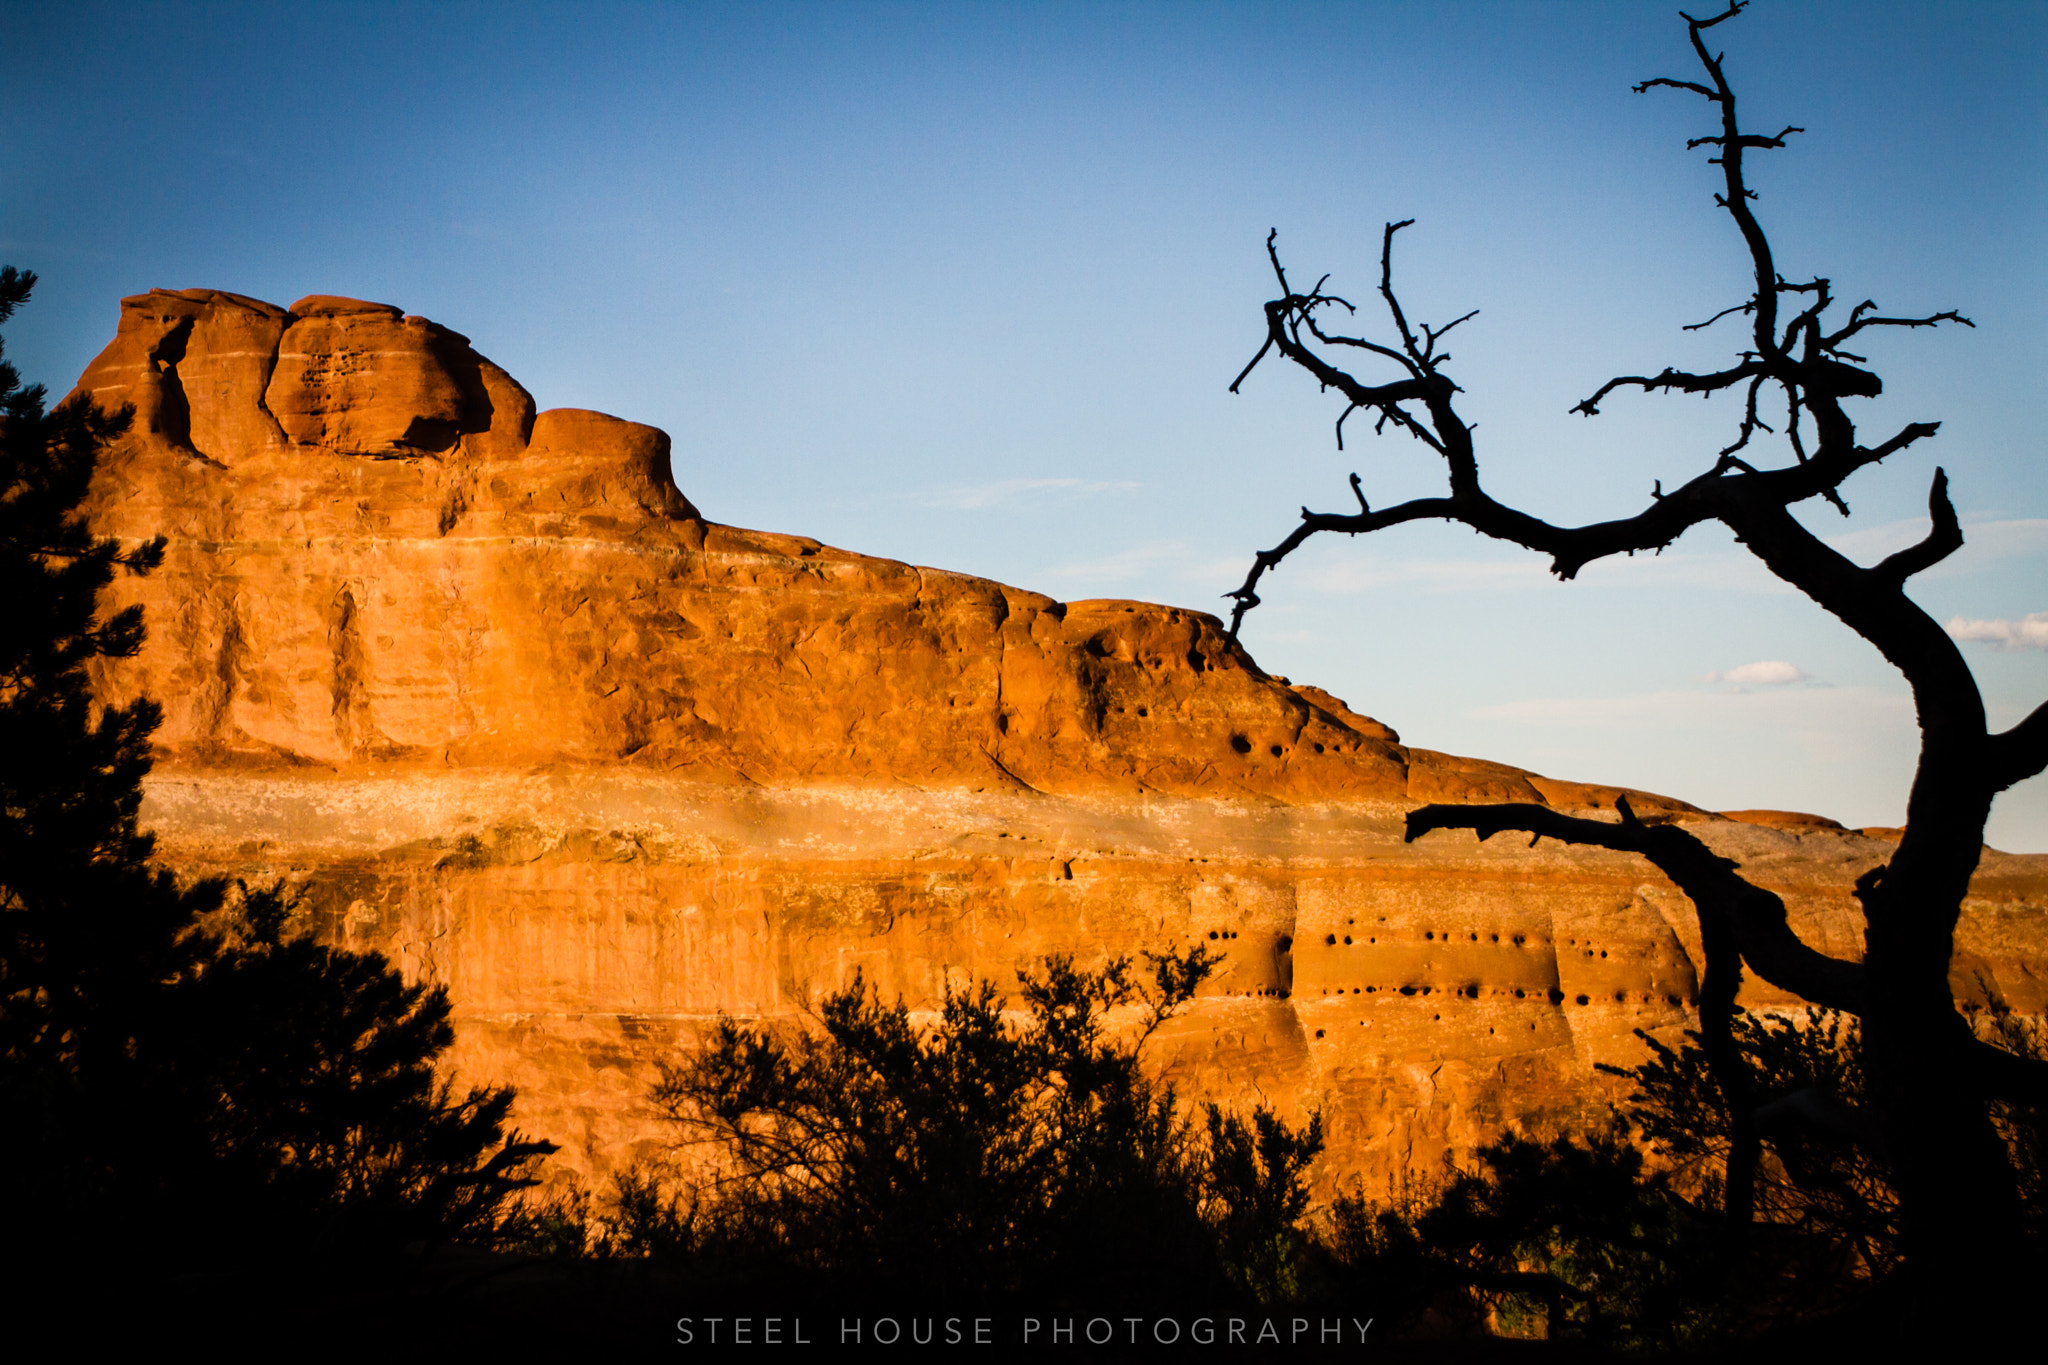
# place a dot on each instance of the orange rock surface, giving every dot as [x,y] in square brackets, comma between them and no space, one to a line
[486,687]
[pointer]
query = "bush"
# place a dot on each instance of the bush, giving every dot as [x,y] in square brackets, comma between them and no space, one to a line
[1823,1187]
[1571,1237]
[1582,1237]
[308,1074]
[978,1159]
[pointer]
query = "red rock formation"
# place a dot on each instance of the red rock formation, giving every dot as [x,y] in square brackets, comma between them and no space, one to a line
[487,687]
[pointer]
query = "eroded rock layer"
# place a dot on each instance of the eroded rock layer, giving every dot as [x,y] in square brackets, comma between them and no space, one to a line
[486,687]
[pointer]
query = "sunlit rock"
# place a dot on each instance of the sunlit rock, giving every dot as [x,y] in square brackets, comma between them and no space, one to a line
[487,689]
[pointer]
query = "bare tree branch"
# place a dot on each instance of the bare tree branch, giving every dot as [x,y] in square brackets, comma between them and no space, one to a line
[1693,86]
[2021,752]
[1857,324]
[1756,916]
[1747,305]
[1942,541]
[1672,379]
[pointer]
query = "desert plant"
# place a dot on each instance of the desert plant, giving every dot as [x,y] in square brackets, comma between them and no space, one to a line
[1570,1237]
[986,1157]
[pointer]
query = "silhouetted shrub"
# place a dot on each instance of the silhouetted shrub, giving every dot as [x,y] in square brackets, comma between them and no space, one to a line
[1571,1237]
[1822,1183]
[982,1158]
[1581,1236]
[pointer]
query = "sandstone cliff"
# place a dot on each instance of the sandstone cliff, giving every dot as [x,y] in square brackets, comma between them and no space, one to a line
[486,686]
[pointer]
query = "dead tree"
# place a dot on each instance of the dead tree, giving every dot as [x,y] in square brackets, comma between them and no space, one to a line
[1932,1077]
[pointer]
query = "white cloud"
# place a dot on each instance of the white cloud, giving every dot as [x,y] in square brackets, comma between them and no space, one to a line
[1763,673]
[2029,632]
[974,498]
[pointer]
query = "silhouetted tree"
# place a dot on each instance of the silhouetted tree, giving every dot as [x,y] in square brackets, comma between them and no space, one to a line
[177,1073]
[1931,1081]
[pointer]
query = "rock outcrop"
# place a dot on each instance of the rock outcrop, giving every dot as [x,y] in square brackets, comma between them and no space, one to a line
[486,687]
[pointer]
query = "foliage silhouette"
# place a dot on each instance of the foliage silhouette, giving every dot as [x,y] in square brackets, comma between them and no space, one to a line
[1570,1238]
[1582,1237]
[1933,1084]
[1826,1177]
[182,1076]
[1822,1174]
[980,1158]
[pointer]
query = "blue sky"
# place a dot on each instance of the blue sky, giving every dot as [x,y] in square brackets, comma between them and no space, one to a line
[965,285]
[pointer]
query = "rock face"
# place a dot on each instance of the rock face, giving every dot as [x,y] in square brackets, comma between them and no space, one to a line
[492,694]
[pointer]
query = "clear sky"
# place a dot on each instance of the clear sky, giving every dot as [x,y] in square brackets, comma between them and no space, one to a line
[964,284]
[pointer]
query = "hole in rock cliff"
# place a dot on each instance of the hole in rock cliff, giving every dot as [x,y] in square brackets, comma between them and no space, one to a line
[1429,933]
[1622,996]
[1583,1000]
[1332,939]
[1286,943]
[1475,938]
[1518,938]
[1276,751]
[1603,952]
[1407,990]
[1241,744]
[1319,1033]
[1319,748]
[1212,933]
[1670,999]
[1557,997]
[1142,712]
[1496,938]
[1436,1016]
[1520,995]
[1196,661]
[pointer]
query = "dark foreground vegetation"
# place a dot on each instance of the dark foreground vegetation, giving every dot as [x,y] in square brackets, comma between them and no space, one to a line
[1021,1166]
[981,1160]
